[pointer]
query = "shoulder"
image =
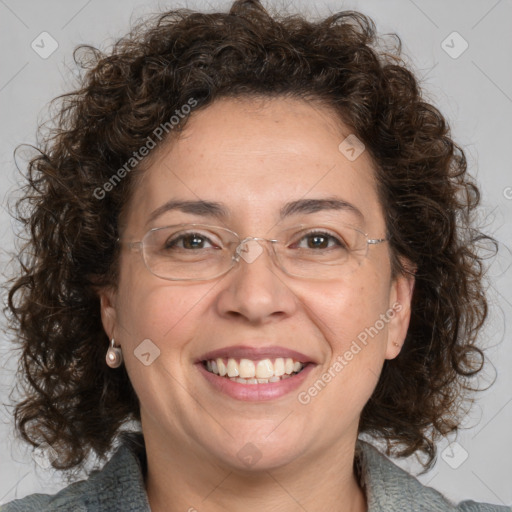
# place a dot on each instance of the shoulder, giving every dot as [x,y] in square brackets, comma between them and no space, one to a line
[390,488]
[63,500]
[69,498]
[118,486]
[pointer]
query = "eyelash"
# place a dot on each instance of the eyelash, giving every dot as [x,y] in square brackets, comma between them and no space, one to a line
[325,234]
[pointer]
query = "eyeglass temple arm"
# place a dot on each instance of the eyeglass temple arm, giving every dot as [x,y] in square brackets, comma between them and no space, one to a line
[376,240]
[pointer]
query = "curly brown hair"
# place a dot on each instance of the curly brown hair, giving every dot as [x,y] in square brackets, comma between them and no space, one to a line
[73,400]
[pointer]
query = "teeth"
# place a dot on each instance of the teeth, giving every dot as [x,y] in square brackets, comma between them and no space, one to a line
[279,367]
[247,369]
[249,372]
[233,370]
[259,381]
[221,367]
[264,369]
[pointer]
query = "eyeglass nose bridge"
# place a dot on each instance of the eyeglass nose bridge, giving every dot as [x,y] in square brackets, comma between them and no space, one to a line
[250,252]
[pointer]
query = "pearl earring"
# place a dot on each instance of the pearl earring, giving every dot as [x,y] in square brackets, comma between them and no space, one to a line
[114,355]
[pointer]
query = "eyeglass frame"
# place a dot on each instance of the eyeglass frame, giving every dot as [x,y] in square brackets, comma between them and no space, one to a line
[235,256]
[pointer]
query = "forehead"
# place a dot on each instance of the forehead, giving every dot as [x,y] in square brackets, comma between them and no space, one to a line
[255,156]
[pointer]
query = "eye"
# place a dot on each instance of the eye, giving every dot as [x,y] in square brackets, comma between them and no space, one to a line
[190,241]
[319,240]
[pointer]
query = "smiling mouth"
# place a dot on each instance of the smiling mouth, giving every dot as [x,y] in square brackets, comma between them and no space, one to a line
[247,371]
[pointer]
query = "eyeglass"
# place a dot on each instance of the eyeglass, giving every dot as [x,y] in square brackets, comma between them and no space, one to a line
[198,252]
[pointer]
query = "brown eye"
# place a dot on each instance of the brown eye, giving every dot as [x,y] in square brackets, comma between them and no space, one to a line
[319,240]
[189,241]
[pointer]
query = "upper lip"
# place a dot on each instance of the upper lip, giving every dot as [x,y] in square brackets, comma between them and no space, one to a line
[255,353]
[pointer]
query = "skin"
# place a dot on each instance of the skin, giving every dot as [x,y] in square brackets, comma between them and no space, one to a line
[254,156]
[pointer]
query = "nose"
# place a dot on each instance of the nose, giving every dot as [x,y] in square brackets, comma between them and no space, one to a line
[255,290]
[250,248]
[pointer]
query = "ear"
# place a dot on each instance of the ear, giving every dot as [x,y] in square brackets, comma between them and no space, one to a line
[108,311]
[400,299]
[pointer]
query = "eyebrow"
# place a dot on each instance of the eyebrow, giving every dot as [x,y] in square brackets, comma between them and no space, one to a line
[309,206]
[203,208]
[220,212]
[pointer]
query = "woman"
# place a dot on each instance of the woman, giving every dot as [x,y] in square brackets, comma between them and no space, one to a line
[249,233]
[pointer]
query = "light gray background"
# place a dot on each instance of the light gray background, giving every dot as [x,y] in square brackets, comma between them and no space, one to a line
[474,91]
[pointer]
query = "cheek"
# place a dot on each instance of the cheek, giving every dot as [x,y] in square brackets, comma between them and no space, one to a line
[158,323]
[150,308]
[347,311]
[350,320]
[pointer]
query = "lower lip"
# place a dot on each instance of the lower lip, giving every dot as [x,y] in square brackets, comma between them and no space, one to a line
[255,392]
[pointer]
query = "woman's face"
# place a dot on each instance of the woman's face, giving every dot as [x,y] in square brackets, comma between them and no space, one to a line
[254,158]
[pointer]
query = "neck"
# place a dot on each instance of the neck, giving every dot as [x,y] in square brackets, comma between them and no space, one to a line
[179,480]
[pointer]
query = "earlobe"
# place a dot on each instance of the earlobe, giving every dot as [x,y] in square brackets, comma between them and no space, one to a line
[400,303]
[108,311]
